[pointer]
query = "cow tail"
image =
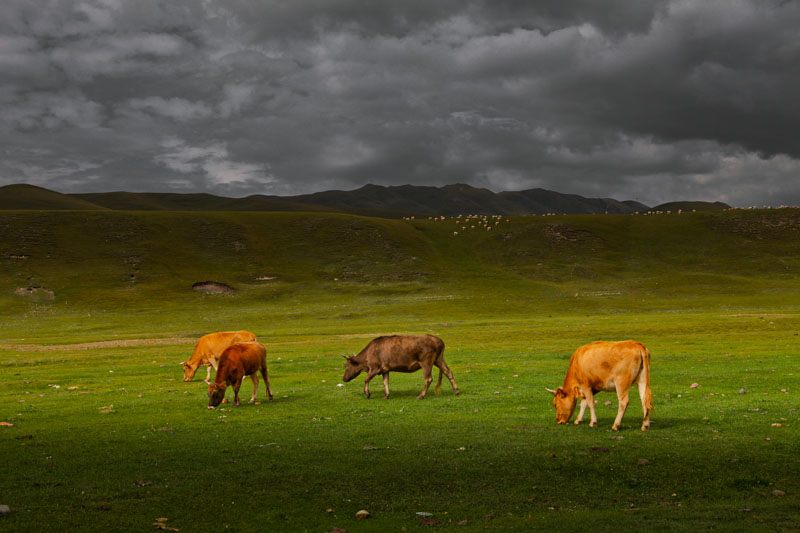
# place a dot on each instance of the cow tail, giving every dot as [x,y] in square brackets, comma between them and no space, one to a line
[648,395]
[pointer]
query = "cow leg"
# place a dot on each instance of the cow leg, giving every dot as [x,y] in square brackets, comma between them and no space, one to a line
[265,375]
[447,372]
[370,375]
[589,400]
[622,396]
[426,370]
[584,403]
[386,385]
[643,390]
[236,387]
[254,377]
[211,363]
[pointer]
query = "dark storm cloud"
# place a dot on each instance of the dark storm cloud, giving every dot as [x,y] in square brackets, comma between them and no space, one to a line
[658,100]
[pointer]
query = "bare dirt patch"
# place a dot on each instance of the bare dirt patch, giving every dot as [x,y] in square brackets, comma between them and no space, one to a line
[36,293]
[213,287]
[95,345]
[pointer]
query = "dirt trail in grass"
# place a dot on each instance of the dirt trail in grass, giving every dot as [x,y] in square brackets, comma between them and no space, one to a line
[95,345]
[127,343]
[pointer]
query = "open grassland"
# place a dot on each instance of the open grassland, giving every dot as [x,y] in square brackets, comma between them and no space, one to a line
[108,437]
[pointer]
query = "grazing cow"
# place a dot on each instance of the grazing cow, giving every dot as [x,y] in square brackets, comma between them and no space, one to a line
[207,351]
[237,361]
[604,366]
[400,353]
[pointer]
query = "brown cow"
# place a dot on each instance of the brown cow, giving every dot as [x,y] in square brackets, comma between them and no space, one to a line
[207,351]
[400,353]
[237,361]
[604,366]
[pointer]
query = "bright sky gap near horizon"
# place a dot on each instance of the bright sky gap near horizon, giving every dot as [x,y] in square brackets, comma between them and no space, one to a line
[648,100]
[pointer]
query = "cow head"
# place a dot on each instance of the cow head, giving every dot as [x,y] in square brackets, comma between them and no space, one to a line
[352,368]
[564,404]
[188,371]
[216,393]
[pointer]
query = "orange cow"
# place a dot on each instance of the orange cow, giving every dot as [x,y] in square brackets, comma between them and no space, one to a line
[208,349]
[604,366]
[237,361]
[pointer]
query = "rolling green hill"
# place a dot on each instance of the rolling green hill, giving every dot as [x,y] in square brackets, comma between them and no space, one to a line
[22,196]
[604,262]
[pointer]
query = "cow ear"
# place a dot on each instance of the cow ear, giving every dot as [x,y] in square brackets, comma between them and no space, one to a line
[561,392]
[578,393]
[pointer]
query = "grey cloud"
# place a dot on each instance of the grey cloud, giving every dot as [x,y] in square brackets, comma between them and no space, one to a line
[655,100]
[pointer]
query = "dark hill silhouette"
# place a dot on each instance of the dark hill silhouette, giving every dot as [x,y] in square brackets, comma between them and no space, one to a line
[23,196]
[692,206]
[369,200]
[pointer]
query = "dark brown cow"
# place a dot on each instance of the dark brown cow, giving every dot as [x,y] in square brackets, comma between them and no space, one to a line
[208,349]
[237,361]
[604,366]
[400,353]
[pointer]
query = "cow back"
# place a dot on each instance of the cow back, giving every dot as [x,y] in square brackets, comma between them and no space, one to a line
[241,358]
[596,364]
[212,345]
[402,351]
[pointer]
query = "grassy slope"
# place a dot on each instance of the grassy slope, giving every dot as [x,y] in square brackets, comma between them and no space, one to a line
[22,196]
[713,296]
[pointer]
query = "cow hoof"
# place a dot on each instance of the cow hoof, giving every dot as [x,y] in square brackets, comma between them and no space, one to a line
[270,398]
[211,407]
[455,392]
[593,425]
[577,422]
[386,397]
[645,428]
[252,400]
[614,428]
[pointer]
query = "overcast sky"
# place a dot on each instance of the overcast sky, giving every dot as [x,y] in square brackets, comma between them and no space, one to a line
[639,99]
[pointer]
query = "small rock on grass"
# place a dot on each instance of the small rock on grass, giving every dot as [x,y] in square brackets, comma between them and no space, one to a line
[363,514]
[778,492]
[4,509]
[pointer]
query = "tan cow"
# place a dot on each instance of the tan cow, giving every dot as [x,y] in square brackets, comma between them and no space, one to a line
[400,353]
[208,349]
[604,366]
[237,361]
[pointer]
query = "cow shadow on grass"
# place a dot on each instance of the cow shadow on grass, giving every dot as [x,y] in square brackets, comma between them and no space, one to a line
[635,425]
[408,393]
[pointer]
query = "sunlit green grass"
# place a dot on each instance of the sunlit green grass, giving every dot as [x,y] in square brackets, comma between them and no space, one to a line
[713,297]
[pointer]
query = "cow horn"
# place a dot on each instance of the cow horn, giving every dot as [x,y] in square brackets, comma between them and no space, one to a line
[345,356]
[551,391]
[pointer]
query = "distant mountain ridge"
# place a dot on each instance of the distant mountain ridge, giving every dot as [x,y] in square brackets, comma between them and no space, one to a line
[370,200]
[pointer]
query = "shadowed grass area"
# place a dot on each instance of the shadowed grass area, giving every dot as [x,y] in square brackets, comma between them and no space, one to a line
[713,296]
